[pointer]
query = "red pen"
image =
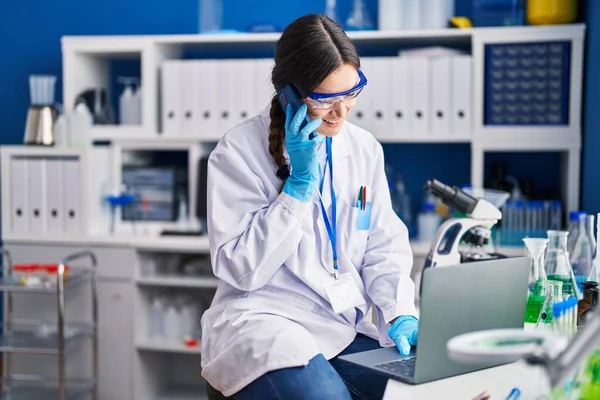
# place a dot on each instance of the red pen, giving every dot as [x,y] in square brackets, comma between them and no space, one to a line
[364,198]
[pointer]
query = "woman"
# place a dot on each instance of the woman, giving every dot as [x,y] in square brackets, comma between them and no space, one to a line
[300,256]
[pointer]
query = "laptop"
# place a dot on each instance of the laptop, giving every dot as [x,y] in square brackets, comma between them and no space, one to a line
[455,300]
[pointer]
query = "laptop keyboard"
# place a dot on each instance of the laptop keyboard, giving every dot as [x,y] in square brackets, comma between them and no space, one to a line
[402,367]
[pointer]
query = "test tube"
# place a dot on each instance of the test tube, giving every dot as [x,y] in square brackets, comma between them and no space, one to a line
[519,222]
[555,217]
[527,218]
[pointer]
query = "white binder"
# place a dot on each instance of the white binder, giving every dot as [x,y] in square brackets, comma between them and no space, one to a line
[242,101]
[263,87]
[54,193]
[441,76]
[171,97]
[188,104]
[207,98]
[18,195]
[400,94]
[381,99]
[360,114]
[37,193]
[420,93]
[72,195]
[461,89]
[226,95]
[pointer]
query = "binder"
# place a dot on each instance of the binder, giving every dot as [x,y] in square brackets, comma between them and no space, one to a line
[72,195]
[441,74]
[54,192]
[226,76]
[188,102]
[18,195]
[37,193]
[264,90]
[207,97]
[381,100]
[400,94]
[360,113]
[420,96]
[461,89]
[242,99]
[171,101]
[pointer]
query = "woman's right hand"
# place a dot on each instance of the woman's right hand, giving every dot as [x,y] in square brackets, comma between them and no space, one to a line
[302,151]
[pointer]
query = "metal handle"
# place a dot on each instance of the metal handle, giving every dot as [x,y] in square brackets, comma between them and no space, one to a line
[61,321]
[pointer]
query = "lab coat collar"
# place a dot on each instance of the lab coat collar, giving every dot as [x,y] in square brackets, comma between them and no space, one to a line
[340,149]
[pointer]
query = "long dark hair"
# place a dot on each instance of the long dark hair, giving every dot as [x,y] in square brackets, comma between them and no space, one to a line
[309,49]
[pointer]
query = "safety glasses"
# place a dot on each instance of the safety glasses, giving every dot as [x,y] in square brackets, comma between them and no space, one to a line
[326,101]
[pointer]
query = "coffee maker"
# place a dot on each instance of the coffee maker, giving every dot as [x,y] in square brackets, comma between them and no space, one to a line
[42,113]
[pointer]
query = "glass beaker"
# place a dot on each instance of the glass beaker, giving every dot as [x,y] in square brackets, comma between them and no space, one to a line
[41,90]
[557,265]
[537,278]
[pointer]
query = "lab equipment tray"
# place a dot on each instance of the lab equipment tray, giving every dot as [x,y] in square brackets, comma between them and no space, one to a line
[46,390]
[28,339]
[12,284]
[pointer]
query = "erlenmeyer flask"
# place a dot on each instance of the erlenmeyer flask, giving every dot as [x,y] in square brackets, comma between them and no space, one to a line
[582,256]
[537,278]
[557,265]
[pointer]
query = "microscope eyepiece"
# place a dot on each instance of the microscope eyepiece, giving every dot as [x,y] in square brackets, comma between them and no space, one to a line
[453,197]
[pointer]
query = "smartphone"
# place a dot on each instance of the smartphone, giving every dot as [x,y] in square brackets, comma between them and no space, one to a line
[289,95]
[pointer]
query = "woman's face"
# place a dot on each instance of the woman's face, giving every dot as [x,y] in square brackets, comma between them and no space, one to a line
[340,80]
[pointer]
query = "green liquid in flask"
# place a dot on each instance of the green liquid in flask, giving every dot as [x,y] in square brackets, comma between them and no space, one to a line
[535,301]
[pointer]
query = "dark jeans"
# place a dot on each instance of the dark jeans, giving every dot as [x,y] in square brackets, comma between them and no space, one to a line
[321,379]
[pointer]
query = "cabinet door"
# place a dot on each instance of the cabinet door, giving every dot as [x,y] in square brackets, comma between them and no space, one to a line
[115,339]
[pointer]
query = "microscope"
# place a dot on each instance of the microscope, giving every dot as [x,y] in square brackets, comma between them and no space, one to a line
[474,229]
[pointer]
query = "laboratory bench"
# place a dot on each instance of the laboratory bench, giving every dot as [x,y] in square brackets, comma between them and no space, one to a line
[496,381]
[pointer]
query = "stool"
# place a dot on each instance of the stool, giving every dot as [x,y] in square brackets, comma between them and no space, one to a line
[214,394]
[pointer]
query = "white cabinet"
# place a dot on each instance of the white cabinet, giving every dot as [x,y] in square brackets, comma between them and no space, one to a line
[115,339]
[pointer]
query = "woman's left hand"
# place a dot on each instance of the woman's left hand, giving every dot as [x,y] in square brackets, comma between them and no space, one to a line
[404,332]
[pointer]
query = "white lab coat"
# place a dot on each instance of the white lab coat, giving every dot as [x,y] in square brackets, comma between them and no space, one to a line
[272,255]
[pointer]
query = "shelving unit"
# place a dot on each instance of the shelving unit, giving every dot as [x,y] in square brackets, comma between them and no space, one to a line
[26,338]
[182,282]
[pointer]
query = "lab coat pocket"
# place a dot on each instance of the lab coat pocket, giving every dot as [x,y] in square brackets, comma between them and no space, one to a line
[363,217]
[357,233]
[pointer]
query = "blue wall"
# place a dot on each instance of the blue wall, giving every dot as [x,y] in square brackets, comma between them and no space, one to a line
[30,33]
[591,123]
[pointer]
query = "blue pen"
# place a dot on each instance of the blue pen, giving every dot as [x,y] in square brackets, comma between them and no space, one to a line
[514,394]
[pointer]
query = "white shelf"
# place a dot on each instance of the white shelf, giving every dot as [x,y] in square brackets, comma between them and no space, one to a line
[196,244]
[118,44]
[133,43]
[116,132]
[175,281]
[166,347]
[185,393]
[527,139]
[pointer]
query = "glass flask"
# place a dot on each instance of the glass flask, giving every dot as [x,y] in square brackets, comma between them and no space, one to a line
[557,265]
[581,257]
[537,278]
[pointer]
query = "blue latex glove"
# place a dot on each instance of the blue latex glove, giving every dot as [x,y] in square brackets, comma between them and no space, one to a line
[302,151]
[404,332]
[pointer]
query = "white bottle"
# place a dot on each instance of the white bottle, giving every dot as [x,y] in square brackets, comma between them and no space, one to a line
[428,222]
[390,15]
[173,324]
[157,314]
[137,106]
[128,102]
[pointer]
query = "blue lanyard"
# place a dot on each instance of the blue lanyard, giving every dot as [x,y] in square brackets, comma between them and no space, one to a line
[330,226]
